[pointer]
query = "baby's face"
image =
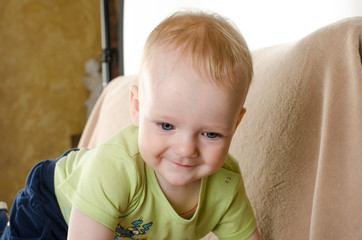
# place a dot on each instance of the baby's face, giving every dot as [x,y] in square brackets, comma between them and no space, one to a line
[186,122]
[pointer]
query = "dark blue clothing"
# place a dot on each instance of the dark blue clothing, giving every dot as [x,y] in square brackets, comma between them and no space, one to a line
[35,213]
[3,219]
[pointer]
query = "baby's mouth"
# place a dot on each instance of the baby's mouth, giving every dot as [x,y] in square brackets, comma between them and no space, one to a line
[183,165]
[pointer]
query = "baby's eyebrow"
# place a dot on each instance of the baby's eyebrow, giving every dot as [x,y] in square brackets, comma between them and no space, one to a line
[213,128]
[163,117]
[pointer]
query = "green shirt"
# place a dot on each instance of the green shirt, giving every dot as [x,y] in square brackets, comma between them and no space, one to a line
[113,185]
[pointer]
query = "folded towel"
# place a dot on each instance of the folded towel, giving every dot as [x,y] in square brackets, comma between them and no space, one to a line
[300,142]
[110,114]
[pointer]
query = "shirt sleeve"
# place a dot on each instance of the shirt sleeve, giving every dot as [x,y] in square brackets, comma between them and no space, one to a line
[104,185]
[238,222]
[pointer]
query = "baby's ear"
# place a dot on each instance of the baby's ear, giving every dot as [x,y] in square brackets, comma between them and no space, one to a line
[241,115]
[134,105]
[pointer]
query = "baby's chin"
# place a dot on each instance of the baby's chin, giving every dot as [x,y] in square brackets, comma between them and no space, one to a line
[179,179]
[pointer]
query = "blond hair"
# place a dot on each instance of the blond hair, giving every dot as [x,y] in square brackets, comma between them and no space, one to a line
[215,45]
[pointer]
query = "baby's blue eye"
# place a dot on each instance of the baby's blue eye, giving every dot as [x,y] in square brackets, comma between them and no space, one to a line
[211,135]
[166,126]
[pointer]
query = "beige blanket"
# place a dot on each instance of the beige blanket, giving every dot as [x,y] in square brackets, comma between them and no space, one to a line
[300,143]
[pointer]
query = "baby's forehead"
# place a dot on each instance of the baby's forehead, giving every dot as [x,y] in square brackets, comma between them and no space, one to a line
[172,67]
[171,56]
[151,85]
[168,59]
[174,87]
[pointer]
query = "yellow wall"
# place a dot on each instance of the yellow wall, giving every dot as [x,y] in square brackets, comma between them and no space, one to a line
[43,47]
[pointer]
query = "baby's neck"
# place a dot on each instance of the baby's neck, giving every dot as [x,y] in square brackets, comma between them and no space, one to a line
[182,198]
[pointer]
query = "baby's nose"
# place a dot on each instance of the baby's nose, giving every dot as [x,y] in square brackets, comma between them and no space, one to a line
[186,148]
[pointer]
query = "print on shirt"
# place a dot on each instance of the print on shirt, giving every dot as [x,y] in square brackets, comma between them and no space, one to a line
[136,231]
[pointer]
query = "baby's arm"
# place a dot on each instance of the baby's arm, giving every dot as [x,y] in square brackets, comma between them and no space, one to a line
[254,236]
[82,226]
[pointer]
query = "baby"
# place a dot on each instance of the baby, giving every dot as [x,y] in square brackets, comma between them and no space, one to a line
[169,174]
